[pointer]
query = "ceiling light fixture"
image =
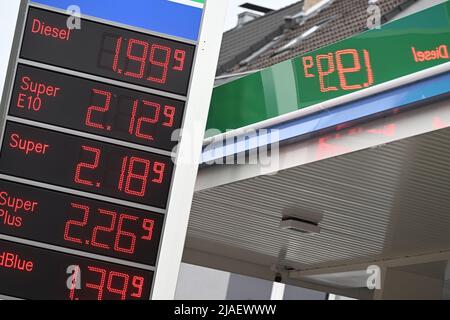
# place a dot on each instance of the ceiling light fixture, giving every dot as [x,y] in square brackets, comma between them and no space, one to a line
[299,225]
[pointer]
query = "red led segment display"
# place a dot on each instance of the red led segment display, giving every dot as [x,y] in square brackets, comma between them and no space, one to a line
[80,223]
[32,273]
[94,107]
[87,165]
[108,51]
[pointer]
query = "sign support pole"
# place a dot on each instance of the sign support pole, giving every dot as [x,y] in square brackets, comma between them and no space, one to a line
[189,150]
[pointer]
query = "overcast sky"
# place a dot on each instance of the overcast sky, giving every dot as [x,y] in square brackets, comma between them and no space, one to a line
[234,10]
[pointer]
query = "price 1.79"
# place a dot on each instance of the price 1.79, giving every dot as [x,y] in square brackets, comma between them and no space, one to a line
[103,284]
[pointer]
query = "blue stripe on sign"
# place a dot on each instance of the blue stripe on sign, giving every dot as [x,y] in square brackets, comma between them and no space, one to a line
[399,99]
[162,16]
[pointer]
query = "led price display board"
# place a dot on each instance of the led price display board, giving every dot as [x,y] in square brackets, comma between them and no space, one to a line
[92,122]
[95,107]
[55,276]
[108,51]
[81,223]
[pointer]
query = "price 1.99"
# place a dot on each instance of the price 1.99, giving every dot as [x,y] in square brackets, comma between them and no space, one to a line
[344,65]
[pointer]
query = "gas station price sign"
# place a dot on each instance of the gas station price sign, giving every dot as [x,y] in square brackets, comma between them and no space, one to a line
[86,157]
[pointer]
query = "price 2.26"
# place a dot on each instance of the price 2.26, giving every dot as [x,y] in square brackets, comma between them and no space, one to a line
[119,231]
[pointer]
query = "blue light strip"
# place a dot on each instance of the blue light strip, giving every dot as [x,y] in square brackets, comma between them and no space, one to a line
[394,100]
[161,16]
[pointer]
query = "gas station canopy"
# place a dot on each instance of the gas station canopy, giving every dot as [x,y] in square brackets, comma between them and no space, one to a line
[364,142]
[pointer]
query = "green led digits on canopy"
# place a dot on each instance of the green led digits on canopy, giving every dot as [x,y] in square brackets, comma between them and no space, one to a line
[400,48]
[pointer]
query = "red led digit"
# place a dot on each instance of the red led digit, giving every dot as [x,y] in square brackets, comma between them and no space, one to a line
[103,109]
[130,176]
[148,226]
[308,63]
[141,59]
[120,291]
[342,71]
[369,69]
[69,223]
[75,279]
[158,168]
[117,53]
[125,234]
[122,173]
[99,287]
[180,57]
[112,224]
[138,283]
[169,112]
[91,166]
[157,110]
[322,74]
[163,64]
